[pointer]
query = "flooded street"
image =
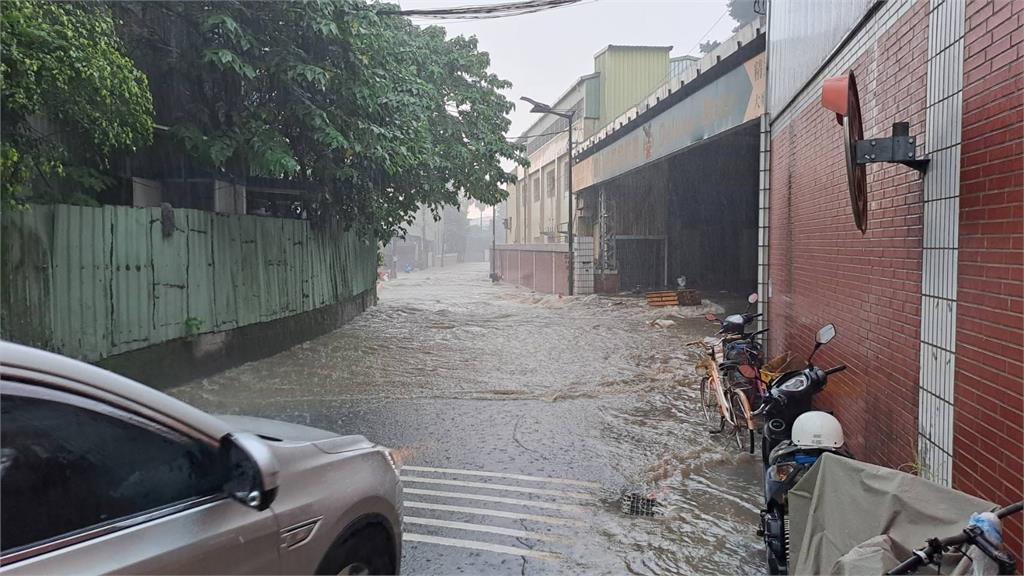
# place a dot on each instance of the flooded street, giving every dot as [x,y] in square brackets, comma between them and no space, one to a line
[521,419]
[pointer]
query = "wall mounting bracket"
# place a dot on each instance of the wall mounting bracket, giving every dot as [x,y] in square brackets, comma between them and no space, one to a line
[900,148]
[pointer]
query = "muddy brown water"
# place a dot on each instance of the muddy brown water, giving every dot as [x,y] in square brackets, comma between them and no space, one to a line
[457,372]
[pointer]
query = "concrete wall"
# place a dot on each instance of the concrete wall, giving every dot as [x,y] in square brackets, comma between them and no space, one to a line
[96,282]
[541,268]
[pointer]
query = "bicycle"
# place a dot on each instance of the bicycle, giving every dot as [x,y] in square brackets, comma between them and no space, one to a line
[744,361]
[712,392]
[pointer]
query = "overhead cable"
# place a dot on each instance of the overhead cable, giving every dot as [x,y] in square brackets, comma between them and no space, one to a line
[483,11]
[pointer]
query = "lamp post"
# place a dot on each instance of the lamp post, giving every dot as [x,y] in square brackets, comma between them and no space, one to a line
[541,108]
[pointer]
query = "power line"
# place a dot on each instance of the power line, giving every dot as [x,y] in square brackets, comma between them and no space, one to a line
[697,45]
[524,137]
[483,11]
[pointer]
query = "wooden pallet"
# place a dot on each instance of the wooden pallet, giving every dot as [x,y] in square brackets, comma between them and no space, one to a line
[688,297]
[662,298]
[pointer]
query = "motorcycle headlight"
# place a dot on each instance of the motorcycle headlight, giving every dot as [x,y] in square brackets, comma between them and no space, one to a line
[794,384]
[781,472]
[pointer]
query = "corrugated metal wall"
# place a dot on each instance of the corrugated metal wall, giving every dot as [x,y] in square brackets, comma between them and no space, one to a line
[628,74]
[802,35]
[95,282]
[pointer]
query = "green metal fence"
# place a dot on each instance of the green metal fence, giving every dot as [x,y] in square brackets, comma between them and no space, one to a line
[94,282]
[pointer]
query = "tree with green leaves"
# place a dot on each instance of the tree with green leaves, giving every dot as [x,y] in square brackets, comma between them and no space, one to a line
[70,99]
[372,115]
[708,46]
[743,12]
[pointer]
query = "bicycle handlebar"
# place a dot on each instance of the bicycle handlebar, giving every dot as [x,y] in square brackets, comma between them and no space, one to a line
[923,556]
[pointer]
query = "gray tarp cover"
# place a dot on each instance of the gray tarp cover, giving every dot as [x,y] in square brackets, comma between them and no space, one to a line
[841,503]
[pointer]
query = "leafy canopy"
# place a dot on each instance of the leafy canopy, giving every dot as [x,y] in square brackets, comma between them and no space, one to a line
[70,98]
[370,114]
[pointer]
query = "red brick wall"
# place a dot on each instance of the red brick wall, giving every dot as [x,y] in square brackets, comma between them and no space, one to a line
[988,440]
[824,270]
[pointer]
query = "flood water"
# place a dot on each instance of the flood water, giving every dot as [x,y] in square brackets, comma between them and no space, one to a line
[464,375]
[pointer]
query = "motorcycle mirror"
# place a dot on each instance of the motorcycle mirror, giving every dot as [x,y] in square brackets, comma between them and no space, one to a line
[752,298]
[825,334]
[748,371]
[710,317]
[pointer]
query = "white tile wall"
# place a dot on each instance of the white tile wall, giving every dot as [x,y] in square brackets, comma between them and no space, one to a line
[941,239]
[583,262]
[763,221]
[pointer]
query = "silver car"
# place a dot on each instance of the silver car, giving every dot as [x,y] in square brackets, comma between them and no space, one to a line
[102,474]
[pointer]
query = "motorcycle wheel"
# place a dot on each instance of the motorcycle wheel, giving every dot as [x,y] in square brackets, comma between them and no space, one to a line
[774,568]
[705,399]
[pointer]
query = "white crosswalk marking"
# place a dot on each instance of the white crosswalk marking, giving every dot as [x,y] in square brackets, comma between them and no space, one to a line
[489,512]
[498,499]
[456,471]
[484,528]
[474,545]
[566,508]
[503,487]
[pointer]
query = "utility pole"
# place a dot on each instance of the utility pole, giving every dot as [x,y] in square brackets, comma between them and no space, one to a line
[494,237]
[572,217]
[541,108]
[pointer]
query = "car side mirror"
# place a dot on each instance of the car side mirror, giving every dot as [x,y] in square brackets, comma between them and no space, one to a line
[251,470]
[752,299]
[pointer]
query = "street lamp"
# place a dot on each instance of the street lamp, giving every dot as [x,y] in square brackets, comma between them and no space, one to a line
[541,108]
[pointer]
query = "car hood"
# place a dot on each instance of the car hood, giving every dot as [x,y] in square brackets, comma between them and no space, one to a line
[275,430]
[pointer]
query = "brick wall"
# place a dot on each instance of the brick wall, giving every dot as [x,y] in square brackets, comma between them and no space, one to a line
[824,270]
[989,408]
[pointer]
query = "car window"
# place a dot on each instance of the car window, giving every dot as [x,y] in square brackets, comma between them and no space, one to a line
[67,465]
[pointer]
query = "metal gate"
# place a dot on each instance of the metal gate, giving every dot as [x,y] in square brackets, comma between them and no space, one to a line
[641,261]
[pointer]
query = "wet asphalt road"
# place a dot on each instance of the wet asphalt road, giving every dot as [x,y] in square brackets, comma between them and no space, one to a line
[521,419]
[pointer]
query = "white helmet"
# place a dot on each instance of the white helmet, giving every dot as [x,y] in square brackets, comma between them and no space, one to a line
[817,430]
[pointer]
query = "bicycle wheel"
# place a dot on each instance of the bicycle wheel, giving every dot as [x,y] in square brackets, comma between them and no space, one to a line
[706,401]
[743,433]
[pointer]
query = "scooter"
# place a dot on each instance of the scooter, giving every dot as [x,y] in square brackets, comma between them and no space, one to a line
[793,439]
[735,324]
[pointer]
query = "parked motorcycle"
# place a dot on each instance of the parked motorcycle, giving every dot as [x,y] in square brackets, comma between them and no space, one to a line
[793,439]
[736,324]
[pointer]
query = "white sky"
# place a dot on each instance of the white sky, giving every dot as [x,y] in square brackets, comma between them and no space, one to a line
[543,53]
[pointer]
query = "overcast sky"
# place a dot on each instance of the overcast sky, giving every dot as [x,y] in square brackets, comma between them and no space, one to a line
[543,53]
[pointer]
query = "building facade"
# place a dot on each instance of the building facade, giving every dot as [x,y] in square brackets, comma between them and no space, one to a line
[648,132]
[538,203]
[928,299]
